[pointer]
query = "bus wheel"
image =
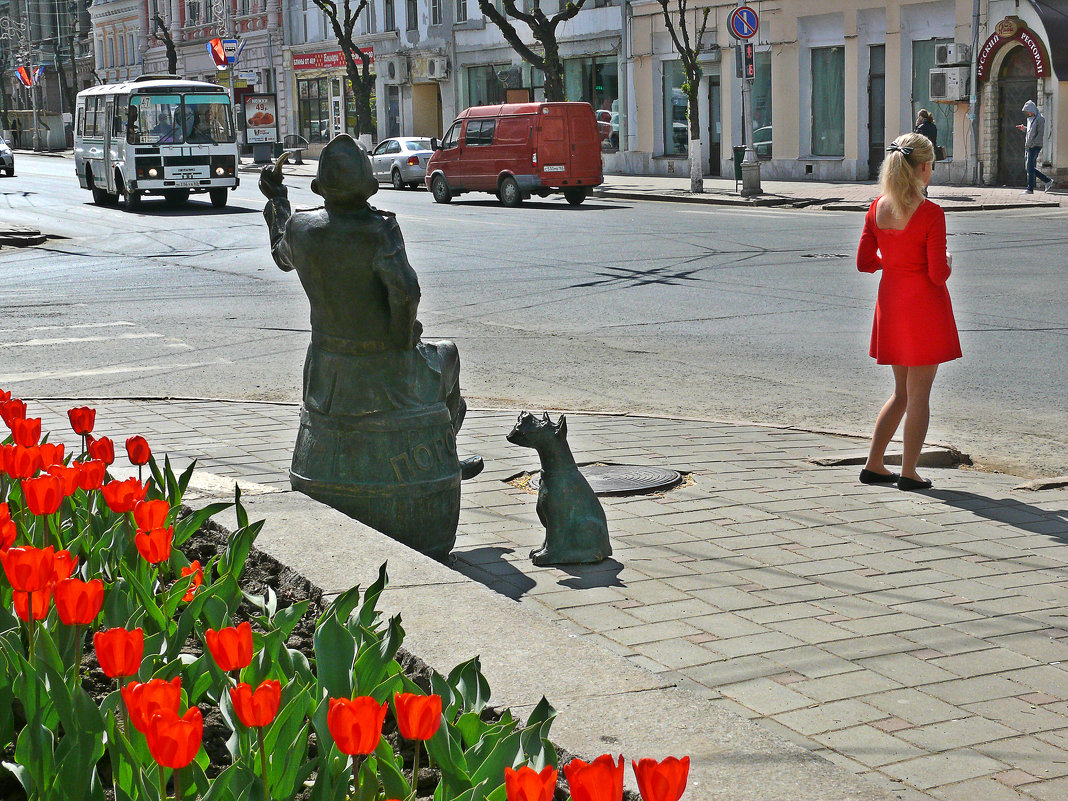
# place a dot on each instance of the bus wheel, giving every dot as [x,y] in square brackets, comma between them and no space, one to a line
[511,196]
[176,196]
[440,188]
[100,193]
[218,197]
[130,197]
[575,196]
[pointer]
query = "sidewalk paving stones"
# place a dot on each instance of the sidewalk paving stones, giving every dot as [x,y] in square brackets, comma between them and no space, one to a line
[919,640]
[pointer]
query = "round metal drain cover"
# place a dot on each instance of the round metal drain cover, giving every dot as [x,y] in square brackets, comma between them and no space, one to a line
[623,479]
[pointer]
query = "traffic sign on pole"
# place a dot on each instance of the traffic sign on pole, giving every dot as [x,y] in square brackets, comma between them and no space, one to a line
[743,23]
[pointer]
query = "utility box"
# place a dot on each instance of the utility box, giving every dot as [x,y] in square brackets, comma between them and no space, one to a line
[949,84]
[952,53]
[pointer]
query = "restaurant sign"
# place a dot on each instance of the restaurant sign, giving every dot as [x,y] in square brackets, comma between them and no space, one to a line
[1012,29]
[329,60]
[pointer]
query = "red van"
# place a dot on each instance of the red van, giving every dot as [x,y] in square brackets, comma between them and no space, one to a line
[518,150]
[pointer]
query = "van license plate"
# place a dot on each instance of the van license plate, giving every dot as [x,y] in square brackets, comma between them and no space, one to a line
[554,168]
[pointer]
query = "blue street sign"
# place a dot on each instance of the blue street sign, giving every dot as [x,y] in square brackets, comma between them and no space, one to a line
[743,23]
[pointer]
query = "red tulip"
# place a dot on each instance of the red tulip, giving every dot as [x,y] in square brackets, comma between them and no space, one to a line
[356,724]
[145,700]
[122,496]
[151,514]
[51,454]
[4,396]
[600,780]
[42,601]
[11,410]
[661,781]
[102,449]
[8,532]
[91,475]
[155,545]
[138,451]
[22,462]
[526,784]
[197,572]
[28,569]
[63,564]
[82,419]
[418,716]
[119,651]
[68,478]
[256,707]
[27,432]
[43,494]
[231,647]
[78,602]
[174,741]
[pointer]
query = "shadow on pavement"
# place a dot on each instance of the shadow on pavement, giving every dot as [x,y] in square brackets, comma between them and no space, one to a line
[489,567]
[1024,516]
[602,574]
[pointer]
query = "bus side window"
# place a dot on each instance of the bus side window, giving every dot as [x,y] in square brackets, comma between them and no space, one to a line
[80,124]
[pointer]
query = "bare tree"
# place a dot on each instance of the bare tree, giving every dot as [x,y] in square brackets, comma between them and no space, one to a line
[544,29]
[343,17]
[63,47]
[161,32]
[689,50]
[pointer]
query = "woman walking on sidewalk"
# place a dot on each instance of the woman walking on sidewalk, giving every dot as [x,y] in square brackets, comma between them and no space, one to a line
[914,331]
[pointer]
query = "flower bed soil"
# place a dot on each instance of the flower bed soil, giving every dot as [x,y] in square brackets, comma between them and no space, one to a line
[263,571]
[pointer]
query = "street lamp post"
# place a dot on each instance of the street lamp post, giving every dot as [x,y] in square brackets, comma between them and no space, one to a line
[17,34]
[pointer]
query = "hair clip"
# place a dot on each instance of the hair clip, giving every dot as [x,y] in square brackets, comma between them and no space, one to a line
[907,151]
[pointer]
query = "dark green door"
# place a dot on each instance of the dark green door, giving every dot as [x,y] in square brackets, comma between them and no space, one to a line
[876,109]
[1017,84]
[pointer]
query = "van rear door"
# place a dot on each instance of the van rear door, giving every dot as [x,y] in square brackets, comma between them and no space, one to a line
[585,144]
[554,153]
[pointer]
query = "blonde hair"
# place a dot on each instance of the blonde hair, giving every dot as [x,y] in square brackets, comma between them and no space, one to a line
[899,182]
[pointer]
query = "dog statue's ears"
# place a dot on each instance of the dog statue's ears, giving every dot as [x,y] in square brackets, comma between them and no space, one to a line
[561,427]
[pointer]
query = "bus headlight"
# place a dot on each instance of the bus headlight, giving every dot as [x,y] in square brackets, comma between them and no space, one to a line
[220,171]
[153,173]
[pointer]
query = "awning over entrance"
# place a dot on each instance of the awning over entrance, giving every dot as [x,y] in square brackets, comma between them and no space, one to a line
[1054,15]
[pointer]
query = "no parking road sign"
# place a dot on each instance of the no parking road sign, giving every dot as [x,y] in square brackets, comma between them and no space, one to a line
[743,23]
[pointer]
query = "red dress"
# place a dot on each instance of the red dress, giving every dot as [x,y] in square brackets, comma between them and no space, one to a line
[913,316]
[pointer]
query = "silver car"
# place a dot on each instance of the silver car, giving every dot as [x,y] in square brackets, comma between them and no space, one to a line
[402,160]
[7,158]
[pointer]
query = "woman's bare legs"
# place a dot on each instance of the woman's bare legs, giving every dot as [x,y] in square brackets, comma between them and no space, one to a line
[917,415]
[888,420]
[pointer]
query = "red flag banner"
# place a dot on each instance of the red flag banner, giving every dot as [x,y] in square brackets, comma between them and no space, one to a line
[25,76]
[218,52]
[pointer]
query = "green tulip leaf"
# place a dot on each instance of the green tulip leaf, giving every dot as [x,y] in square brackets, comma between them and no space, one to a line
[287,619]
[445,751]
[368,613]
[189,525]
[471,686]
[342,606]
[335,651]
[390,772]
[372,661]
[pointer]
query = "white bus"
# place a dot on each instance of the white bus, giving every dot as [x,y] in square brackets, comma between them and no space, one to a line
[155,135]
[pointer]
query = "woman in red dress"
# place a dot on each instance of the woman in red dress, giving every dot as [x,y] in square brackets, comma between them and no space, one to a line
[914,331]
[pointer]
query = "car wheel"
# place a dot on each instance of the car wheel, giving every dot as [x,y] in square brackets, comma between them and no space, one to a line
[440,187]
[576,195]
[176,196]
[10,171]
[218,196]
[510,194]
[130,198]
[398,182]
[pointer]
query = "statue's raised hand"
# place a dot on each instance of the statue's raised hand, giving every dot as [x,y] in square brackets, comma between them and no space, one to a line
[271,179]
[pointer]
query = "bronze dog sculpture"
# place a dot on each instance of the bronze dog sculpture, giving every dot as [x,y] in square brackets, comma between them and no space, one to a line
[576,530]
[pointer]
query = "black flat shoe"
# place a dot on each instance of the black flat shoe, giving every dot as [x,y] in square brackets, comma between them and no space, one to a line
[871,477]
[907,484]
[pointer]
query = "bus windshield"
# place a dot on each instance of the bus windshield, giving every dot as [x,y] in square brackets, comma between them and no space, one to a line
[180,119]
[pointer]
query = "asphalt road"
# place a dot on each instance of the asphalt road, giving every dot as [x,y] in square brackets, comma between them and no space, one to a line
[641,307]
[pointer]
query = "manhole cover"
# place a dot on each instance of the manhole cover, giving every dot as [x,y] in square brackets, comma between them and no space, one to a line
[622,479]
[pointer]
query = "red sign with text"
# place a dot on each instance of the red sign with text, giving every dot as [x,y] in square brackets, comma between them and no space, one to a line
[1004,34]
[333,59]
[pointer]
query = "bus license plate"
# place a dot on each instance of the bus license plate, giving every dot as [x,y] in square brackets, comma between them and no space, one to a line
[181,173]
[187,183]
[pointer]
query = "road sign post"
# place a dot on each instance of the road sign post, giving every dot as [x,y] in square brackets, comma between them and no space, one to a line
[743,24]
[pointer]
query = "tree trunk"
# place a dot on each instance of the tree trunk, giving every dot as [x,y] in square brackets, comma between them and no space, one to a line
[697,166]
[361,90]
[554,73]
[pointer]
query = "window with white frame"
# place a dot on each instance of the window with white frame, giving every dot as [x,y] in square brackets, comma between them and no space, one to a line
[411,14]
[435,12]
[389,12]
[461,10]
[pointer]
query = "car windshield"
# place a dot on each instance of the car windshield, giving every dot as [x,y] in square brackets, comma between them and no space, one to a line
[418,144]
[174,119]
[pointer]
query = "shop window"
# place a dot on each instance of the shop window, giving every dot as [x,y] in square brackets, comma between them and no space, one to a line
[411,15]
[923,61]
[761,99]
[596,81]
[676,117]
[313,109]
[828,101]
[483,87]
[461,10]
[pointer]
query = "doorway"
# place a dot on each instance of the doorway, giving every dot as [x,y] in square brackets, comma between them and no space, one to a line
[1017,83]
[876,109]
[715,126]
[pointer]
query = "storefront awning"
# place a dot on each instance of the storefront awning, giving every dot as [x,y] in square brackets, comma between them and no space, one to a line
[1054,15]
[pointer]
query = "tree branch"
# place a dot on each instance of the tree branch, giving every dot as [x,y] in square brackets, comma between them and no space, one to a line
[510,34]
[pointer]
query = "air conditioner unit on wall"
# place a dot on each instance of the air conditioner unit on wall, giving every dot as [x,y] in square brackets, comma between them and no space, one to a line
[396,69]
[949,84]
[952,53]
[437,68]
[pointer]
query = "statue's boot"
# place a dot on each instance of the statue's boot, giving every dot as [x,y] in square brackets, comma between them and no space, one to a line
[471,467]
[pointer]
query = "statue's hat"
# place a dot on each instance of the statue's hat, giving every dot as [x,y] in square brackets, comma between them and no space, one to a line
[344,172]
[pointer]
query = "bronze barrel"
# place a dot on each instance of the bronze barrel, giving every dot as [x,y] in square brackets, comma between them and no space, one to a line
[395,471]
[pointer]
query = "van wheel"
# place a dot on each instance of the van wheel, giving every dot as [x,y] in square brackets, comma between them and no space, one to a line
[131,198]
[398,182]
[510,194]
[176,196]
[218,196]
[575,196]
[440,187]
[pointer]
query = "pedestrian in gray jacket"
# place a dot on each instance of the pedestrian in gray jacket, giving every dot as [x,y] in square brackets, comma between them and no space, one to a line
[1034,135]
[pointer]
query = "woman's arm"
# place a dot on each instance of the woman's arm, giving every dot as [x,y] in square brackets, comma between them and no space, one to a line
[868,260]
[937,263]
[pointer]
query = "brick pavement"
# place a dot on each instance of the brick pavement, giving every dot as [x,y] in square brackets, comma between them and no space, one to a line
[919,640]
